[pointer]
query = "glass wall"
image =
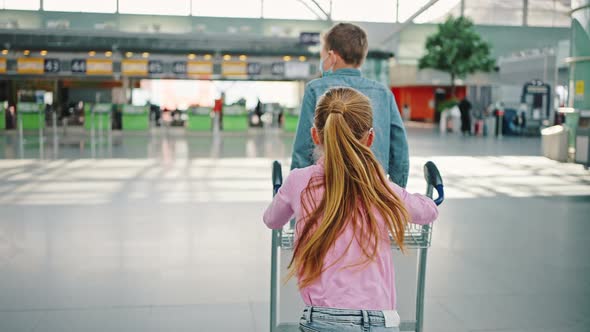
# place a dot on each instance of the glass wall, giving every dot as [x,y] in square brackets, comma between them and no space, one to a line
[20,4]
[549,13]
[289,9]
[369,11]
[439,11]
[546,13]
[92,6]
[227,8]
[495,12]
[155,7]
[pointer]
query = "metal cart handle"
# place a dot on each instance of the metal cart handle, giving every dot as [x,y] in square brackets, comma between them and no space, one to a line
[277,181]
[433,178]
[434,182]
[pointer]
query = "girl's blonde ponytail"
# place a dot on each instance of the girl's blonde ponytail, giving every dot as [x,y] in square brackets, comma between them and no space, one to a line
[356,188]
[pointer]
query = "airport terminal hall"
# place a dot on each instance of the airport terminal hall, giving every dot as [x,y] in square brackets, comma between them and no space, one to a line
[295,165]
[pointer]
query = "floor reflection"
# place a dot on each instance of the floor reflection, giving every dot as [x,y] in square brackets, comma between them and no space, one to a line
[159,143]
[180,179]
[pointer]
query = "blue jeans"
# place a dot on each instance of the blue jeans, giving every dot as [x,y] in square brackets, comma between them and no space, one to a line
[319,319]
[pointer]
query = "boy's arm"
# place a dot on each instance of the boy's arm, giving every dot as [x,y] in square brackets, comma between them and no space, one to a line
[303,145]
[399,159]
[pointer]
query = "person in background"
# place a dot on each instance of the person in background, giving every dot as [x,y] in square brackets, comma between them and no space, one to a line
[218,109]
[346,209]
[343,50]
[80,112]
[406,112]
[258,112]
[47,114]
[465,109]
[11,117]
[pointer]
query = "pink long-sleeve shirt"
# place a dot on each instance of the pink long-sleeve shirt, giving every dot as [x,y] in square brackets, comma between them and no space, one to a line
[342,284]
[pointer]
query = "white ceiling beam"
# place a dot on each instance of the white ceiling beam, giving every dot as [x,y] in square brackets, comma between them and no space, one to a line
[407,22]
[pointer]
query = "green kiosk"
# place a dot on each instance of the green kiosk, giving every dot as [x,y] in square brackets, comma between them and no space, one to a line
[98,117]
[235,118]
[30,115]
[135,118]
[291,121]
[199,119]
[2,116]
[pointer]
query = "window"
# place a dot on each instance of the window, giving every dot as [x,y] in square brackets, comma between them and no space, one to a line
[439,11]
[290,9]
[20,4]
[408,8]
[155,7]
[92,6]
[548,13]
[495,12]
[227,8]
[369,11]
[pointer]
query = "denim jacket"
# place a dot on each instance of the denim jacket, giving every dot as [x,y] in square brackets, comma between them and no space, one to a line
[390,145]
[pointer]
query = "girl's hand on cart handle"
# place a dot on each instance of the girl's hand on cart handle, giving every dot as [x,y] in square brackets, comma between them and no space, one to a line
[277,176]
[433,178]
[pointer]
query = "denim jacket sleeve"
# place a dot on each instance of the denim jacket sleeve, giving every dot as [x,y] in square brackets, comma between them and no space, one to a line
[303,145]
[399,160]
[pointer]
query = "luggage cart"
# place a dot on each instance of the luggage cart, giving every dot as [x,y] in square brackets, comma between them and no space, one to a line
[417,240]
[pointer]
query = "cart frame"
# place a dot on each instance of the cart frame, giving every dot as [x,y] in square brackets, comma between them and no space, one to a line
[417,237]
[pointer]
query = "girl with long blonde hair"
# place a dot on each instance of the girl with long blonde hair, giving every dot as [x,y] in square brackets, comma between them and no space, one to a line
[347,213]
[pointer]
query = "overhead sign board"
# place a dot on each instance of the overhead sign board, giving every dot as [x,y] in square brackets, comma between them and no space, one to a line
[179,67]
[278,68]
[155,67]
[234,68]
[309,38]
[297,69]
[99,67]
[78,66]
[199,68]
[30,65]
[135,67]
[52,65]
[254,68]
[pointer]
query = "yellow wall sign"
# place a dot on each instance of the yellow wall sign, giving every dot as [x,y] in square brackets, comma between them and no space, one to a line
[134,67]
[2,65]
[234,68]
[199,68]
[579,88]
[30,65]
[99,67]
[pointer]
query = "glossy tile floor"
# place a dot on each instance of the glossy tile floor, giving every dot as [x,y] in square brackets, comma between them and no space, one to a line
[163,232]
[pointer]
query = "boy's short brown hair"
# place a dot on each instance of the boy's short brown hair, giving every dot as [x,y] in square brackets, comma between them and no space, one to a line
[349,41]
